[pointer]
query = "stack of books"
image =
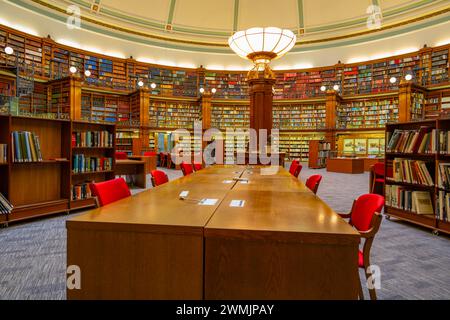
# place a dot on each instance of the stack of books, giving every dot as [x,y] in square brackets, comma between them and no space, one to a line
[3,153]
[412,171]
[25,147]
[423,140]
[414,201]
[5,206]
[82,164]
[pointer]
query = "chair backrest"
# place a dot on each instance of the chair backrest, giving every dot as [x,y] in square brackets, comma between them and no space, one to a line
[296,170]
[363,210]
[186,168]
[293,166]
[149,154]
[159,177]
[313,182]
[198,166]
[110,191]
[121,156]
[378,169]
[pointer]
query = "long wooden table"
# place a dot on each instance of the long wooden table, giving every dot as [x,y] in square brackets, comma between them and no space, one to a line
[284,243]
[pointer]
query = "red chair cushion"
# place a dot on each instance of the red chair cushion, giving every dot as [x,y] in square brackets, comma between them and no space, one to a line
[364,209]
[381,180]
[159,177]
[121,156]
[110,191]
[378,169]
[313,181]
[186,168]
[198,166]
[149,154]
[360,259]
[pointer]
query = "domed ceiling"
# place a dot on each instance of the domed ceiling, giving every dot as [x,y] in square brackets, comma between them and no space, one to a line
[205,25]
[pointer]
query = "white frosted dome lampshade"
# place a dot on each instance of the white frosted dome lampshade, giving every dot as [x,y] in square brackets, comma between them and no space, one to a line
[213,90]
[141,83]
[393,80]
[87,73]
[153,85]
[9,50]
[202,90]
[408,77]
[271,42]
[323,88]
[336,87]
[73,69]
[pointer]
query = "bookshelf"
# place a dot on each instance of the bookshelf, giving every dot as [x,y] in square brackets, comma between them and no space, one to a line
[431,156]
[230,116]
[319,151]
[298,116]
[173,114]
[229,85]
[124,139]
[296,144]
[372,112]
[100,150]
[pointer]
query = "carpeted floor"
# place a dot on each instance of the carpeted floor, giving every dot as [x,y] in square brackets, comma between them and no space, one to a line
[414,263]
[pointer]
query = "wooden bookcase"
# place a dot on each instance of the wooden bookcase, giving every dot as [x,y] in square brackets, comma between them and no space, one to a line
[429,221]
[295,144]
[173,114]
[302,115]
[230,115]
[107,151]
[319,151]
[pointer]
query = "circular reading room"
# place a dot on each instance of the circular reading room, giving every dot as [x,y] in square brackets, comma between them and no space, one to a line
[196,150]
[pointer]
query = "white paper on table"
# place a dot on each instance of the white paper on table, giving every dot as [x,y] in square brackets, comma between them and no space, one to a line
[227,181]
[237,203]
[208,202]
[245,182]
[184,194]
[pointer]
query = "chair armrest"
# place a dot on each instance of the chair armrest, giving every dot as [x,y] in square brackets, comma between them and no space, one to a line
[376,222]
[345,215]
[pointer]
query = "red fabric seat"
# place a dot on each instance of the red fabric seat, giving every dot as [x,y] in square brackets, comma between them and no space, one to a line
[121,156]
[110,191]
[150,154]
[379,174]
[313,182]
[159,178]
[186,168]
[198,166]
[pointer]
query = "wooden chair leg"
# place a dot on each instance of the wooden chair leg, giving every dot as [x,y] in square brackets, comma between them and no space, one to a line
[360,290]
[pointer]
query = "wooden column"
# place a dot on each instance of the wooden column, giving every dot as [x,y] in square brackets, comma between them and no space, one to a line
[206,104]
[333,99]
[261,100]
[75,98]
[404,101]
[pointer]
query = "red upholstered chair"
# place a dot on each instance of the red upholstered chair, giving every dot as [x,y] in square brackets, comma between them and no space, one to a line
[313,182]
[159,178]
[198,166]
[121,156]
[110,191]
[186,168]
[378,175]
[295,169]
[366,218]
[293,166]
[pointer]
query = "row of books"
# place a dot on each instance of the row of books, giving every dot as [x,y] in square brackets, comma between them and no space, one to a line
[412,141]
[443,206]
[3,153]
[412,171]
[92,139]
[443,178]
[415,201]
[25,147]
[81,191]
[5,206]
[82,164]
[444,142]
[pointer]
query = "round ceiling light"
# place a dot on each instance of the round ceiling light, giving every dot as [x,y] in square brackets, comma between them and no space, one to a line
[9,50]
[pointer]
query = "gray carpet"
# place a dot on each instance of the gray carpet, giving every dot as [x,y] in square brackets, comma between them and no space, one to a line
[414,263]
